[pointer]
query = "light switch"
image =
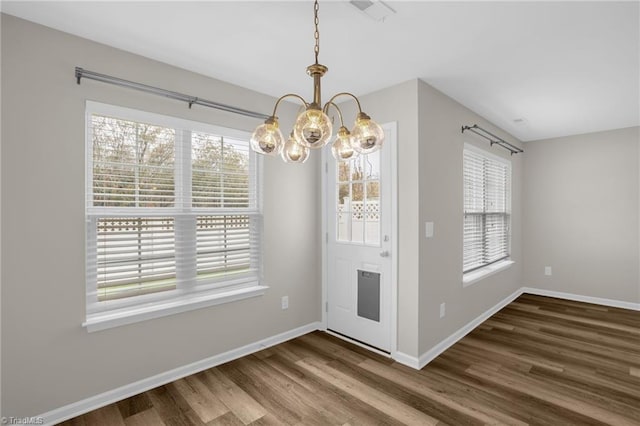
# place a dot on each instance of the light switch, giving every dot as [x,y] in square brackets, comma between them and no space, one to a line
[428,229]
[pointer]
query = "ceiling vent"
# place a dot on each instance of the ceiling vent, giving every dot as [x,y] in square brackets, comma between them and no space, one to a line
[374,9]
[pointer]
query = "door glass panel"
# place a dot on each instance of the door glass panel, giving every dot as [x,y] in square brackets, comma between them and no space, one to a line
[357,230]
[358,200]
[343,222]
[344,168]
[357,212]
[373,192]
[371,166]
[357,195]
[372,225]
[344,196]
[372,213]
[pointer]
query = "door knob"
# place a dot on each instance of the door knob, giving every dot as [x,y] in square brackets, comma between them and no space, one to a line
[384,254]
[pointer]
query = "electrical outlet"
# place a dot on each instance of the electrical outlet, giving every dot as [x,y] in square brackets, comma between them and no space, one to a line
[428,229]
[547,270]
[285,302]
[442,309]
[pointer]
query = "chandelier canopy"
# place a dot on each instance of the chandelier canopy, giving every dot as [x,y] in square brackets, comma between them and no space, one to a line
[313,128]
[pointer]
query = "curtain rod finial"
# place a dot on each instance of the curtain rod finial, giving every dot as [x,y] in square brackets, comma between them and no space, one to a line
[78,74]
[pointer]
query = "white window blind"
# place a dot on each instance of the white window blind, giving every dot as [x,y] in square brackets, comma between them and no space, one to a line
[487,208]
[172,208]
[134,256]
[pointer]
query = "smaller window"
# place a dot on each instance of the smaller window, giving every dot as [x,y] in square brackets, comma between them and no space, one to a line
[487,209]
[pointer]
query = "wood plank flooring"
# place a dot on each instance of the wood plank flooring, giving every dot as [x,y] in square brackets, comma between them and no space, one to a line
[539,361]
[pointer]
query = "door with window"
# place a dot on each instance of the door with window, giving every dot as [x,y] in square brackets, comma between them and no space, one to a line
[359,242]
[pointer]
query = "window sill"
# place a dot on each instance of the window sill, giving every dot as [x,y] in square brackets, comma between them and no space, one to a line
[475,276]
[106,320]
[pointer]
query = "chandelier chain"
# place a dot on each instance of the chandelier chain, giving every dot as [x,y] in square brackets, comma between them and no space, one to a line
[316,33]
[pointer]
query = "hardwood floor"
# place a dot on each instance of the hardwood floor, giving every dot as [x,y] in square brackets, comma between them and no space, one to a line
[539,361]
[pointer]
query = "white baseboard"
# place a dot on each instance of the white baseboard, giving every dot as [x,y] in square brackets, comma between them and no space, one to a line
[109,397]
[428,356]
[425,358]
[408,360]
[579,298]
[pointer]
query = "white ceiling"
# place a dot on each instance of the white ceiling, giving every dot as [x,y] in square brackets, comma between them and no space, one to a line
[563,67]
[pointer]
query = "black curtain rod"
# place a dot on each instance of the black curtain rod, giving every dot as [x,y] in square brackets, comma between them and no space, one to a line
[493,139]
[191,100]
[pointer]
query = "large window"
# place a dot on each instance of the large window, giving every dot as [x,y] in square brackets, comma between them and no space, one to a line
[487,209]
[172,211]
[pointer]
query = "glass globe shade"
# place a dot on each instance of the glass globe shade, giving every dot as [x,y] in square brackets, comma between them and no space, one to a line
[367,135]
[313,128]
[293,152]
[267,138]
[342,148]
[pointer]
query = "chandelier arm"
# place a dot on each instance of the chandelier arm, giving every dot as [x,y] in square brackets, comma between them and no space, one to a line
[288,95]
[344,94]
[326,109]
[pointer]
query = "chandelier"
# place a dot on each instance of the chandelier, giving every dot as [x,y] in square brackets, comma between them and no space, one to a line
[313,128]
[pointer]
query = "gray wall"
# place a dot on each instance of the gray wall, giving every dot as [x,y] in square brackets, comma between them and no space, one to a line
[581,214]
[430,189]
[440,177]
[48,359]
[0,223]
[400,104]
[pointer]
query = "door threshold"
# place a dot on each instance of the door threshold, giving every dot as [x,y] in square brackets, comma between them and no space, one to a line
[359,343]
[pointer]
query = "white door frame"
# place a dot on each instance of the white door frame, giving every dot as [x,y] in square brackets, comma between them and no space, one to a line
[391,137]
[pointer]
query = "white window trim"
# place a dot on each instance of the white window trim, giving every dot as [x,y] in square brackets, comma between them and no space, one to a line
[175,301]
[479,274]
[185,303]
